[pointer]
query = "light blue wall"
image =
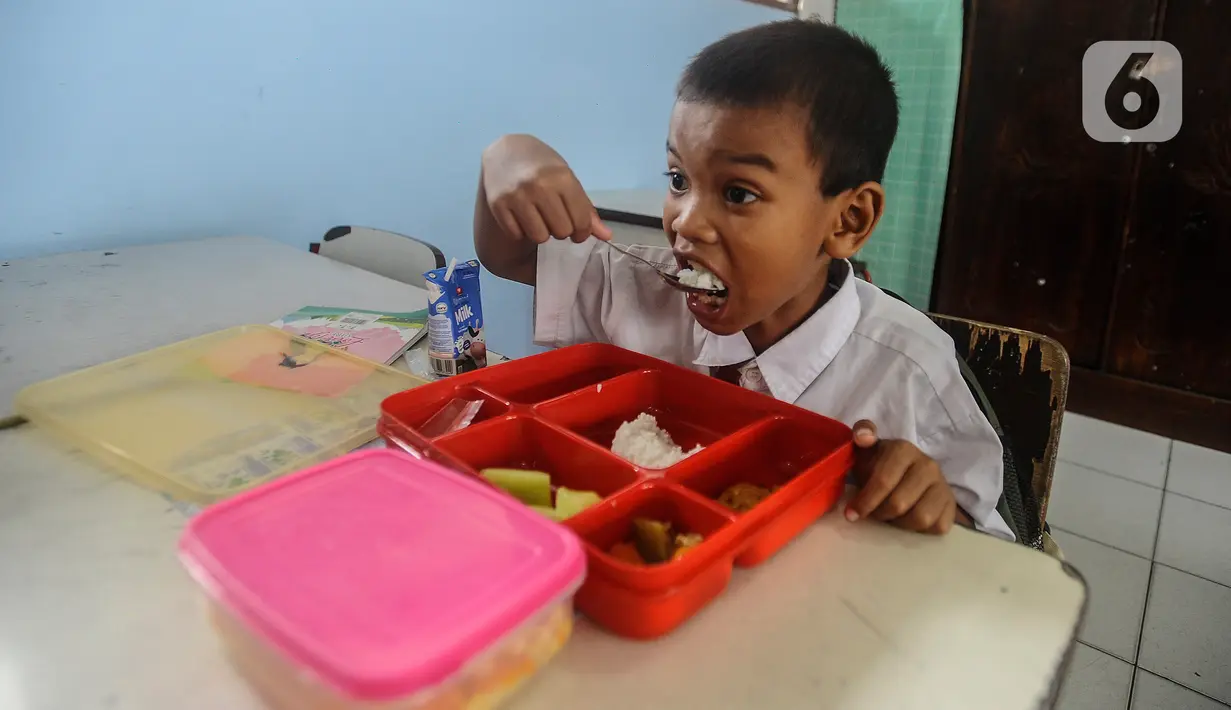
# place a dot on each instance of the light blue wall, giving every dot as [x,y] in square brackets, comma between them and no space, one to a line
[138,121]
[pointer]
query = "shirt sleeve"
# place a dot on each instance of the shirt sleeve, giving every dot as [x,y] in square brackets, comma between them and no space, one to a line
[561,316]
[970,456]
[575,301]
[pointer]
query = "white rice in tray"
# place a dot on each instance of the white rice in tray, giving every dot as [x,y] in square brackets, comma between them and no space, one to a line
[644,443]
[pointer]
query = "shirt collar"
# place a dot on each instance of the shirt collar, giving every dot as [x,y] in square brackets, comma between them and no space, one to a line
[790,365]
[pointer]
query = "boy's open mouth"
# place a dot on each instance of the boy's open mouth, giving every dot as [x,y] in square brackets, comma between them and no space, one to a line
[696,275]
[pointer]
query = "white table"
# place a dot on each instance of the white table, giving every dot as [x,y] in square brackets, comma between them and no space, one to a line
[95,611]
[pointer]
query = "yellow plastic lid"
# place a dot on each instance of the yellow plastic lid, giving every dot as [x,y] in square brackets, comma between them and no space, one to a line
[206,418]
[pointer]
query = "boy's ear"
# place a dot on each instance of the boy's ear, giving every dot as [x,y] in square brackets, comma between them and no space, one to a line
[862,208]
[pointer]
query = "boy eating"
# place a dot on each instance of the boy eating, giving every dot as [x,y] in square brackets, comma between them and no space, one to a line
[776,148]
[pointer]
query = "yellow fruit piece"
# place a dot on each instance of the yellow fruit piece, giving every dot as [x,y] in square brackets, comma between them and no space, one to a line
[530,487]
[549,513]
[570,502]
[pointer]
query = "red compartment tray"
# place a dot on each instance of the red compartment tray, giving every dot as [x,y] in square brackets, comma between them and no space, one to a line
[558,413]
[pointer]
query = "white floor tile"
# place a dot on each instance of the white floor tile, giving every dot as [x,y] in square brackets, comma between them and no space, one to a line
[1153,693]
[1204,474]
[1118,583]
[1099,506]
[1194,537]
[1095,681]
[1115,449]
[1187,634]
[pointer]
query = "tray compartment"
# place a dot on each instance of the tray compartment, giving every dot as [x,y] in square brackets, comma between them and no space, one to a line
[672,398]
[803,461]
[648,601]
[545,377]
[792,519]
[413,408]
[524,443]
[646,616]
[772,454]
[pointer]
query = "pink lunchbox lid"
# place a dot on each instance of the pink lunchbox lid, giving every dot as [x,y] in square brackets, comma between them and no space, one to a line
[379,572]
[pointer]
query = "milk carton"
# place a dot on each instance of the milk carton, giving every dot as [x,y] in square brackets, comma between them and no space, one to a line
[455,319]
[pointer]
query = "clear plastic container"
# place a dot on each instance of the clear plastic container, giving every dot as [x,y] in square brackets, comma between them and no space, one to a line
[379,580]
[206,418]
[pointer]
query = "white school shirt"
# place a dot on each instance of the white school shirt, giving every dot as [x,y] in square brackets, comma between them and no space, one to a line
[862,355]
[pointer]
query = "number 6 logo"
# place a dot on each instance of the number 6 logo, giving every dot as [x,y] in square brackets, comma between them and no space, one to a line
[1131,92]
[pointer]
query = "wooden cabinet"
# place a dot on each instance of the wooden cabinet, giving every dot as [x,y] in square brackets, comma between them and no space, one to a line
[1026,180]
[1120,251]
[1172,318]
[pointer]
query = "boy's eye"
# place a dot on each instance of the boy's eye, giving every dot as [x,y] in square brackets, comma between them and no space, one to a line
[677,181]
[740,195]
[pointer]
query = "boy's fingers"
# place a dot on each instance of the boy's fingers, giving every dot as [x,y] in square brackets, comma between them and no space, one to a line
[598,229]
[507,222]
[864,433]
[870,461]
[928,511]
[532,225]
[556,216]
[579,211]
[905,496]
[945,523]
[881,475]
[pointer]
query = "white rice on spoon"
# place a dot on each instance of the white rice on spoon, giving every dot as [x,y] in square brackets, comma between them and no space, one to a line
[697,276]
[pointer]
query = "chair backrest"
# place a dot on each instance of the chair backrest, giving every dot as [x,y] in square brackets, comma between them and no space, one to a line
[1026,379]
[389,254]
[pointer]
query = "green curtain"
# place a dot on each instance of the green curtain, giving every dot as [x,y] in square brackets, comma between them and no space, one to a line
[922,42]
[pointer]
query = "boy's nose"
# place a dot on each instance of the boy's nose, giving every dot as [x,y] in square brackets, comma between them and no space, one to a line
[692,224]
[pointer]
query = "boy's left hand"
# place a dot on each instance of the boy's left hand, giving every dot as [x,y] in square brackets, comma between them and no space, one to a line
[900,485]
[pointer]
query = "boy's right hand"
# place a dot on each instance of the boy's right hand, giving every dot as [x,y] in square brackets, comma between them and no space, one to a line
[533,194]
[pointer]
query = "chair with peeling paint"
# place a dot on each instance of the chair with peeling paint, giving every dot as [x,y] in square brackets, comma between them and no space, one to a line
[1025,378]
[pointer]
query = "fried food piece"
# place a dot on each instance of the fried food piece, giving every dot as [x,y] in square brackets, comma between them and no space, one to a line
[743,497]
[684,544]
[655,540]
[626,552]
[686,540]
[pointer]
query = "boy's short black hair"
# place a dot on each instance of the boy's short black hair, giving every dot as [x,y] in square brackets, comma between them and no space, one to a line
[836,76]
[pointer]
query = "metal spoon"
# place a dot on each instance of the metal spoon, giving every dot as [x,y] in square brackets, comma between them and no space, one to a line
[671,279]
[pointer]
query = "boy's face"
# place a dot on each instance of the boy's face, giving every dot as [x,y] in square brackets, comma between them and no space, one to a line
[744,201]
